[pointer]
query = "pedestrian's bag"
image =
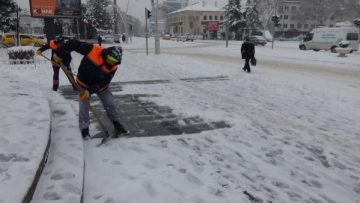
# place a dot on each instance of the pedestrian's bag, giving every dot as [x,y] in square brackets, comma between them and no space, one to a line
[253,61]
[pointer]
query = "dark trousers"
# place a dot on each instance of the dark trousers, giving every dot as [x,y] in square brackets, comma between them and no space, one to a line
[247,65]
[56,78]
[56,70]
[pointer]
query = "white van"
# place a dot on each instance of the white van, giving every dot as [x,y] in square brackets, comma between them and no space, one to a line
[328,38]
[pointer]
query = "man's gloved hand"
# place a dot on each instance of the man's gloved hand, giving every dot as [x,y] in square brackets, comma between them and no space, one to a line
[84,95]
[57,59]
[38,52]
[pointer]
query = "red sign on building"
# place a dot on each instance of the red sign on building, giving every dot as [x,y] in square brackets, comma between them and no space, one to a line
[213,26]
[55,8]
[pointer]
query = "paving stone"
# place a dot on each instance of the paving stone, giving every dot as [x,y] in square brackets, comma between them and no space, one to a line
[145,118]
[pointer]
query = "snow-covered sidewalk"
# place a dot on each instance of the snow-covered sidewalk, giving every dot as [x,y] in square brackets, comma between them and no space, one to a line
[37,127]
[24,135]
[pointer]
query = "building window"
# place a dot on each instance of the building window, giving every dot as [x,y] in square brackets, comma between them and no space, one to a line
[306,26]
[210,17]
[191,25]
[285,26]
[204,17]
[299,26]
[221,17]
[216,17]
[281,8]
[292,26]
[286,17]
[281,17]
[286,8]
[293,8]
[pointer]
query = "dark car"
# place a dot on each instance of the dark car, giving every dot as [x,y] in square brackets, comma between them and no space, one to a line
[258,40]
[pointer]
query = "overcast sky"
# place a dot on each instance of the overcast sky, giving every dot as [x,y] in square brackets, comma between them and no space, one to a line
[136,7]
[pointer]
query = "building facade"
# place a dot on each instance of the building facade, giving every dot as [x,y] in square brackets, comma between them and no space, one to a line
[291,23]
[197,19]
[30,25]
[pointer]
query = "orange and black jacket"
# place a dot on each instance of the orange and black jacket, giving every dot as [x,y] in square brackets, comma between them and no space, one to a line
[66,56]
[93,74]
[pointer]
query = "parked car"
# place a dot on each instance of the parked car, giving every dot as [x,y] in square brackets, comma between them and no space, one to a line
[9,40]
[108,39]
[38,40]
[258,40]
[187,37]
[116,38]
[166,37]
[26,40]
[328,38]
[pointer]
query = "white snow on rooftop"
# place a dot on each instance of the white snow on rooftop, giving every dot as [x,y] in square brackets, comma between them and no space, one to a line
[201,6]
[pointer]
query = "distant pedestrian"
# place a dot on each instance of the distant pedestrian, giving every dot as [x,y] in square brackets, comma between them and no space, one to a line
[247,53]
[123,37]
[99,40]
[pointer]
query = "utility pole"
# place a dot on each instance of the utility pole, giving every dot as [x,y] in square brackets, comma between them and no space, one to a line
[273,37]
[146,30]
[17,26]
[157,37]
[227,26]
[77,28]
[227,33]
[116,30]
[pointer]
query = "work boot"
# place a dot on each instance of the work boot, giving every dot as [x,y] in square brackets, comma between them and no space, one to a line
[55,85]
[119,129]
[85,133]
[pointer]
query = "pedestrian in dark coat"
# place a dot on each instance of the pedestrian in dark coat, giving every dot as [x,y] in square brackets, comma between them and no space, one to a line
[54,45]
[99,40]
[123,37]
[247,53]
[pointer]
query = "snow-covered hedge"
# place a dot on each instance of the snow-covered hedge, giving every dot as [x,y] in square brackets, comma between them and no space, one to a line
[21,55]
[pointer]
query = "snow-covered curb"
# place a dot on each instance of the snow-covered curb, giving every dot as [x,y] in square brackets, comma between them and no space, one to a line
[23,142]
[62,179]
